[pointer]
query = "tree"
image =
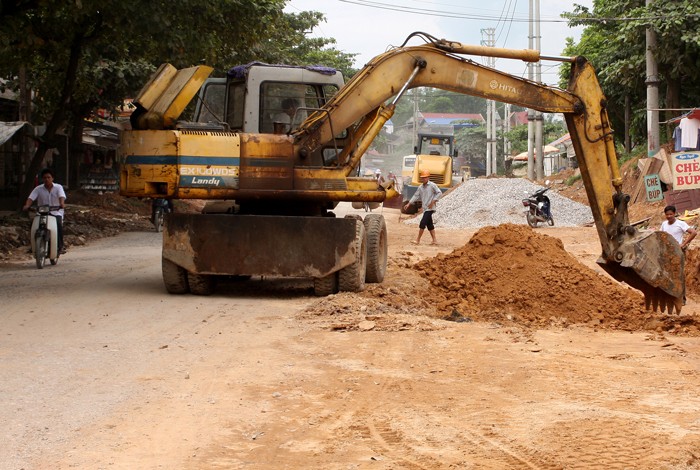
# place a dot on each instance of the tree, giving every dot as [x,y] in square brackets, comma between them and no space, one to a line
[551,130]
[80,55]
[614,42]
[471,144]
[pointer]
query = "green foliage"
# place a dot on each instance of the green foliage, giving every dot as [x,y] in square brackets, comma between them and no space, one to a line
[118,44]
[622,156]
[617,51]
[433,100]
[551,130]
[441,104]
[471,142]
[80,55]
[572,179]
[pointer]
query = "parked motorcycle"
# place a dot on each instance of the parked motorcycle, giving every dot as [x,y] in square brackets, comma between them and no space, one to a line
[44,236]
[160,208]
[538,208]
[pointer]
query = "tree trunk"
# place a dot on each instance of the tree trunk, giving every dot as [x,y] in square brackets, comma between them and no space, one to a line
[47,141]
[75,153]
[673,97]
[628,114]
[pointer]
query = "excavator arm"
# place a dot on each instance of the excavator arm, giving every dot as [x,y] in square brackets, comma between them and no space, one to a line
[651,262]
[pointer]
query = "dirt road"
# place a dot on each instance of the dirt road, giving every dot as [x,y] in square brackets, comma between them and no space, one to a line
[101,369]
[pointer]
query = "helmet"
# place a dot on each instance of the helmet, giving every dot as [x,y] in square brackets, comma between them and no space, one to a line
[377,171]
[424,174]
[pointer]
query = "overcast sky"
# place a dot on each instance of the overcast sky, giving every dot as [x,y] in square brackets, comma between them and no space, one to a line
[369,27]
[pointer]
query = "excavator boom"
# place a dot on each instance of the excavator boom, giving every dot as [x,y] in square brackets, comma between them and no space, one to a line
[650,262]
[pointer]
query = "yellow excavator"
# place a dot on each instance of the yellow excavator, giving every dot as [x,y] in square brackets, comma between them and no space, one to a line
[282,188]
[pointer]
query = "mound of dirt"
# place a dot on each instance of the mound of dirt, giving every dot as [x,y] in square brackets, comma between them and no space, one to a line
[397,304]
[510,275]
[514,274]
[109,201]
[692,272]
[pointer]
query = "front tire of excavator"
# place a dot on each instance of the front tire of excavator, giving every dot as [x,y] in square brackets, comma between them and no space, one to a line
[201,284]
[174,278]
[352,278]
[377,247]
[326,285]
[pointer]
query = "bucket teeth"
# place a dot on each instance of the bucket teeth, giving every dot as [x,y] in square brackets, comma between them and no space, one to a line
[659,300]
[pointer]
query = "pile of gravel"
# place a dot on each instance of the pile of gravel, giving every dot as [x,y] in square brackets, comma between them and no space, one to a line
[482,202]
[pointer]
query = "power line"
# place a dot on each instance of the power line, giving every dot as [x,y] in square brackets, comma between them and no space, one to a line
[432,12]
[510,23]
[566,17]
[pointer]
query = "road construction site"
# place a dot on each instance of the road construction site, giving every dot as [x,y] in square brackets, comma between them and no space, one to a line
[501,347]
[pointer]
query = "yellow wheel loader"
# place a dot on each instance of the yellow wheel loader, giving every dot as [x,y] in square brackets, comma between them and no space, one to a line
[285,186]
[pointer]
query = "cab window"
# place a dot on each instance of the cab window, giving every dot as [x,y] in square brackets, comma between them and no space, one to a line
[273,95]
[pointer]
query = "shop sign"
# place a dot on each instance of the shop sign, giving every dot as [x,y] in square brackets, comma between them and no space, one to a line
[652,185]
[686,170]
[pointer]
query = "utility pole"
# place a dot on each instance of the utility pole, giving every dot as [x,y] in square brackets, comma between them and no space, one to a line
[506,129]
[415,118]
[488,137]
[494,140]
[539,145]
[652,82]
[491,166]
[530,112]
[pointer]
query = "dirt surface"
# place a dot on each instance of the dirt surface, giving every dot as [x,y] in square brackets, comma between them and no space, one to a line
[102,369]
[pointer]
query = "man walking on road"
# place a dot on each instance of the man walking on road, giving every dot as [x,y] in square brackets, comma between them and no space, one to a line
[429,193]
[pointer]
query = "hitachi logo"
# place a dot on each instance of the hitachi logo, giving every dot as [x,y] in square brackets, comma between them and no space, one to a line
[496,85]
[209,181]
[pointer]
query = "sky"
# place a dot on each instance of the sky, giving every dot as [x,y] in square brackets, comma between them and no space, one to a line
[370,27]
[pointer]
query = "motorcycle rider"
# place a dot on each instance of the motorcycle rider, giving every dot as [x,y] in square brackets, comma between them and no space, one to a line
[50,194]
[160,202]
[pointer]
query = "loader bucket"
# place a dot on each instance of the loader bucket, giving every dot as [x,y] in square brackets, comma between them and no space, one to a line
[653,263]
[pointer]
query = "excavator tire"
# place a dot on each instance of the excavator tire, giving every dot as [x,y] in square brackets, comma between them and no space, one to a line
[352,278]
[377,247]
[326,285]
[174,278]
[201,284]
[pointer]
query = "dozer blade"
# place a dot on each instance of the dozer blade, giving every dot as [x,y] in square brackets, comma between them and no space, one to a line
[653,263]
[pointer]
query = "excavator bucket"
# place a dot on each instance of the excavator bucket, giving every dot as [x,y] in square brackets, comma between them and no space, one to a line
[653,263]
